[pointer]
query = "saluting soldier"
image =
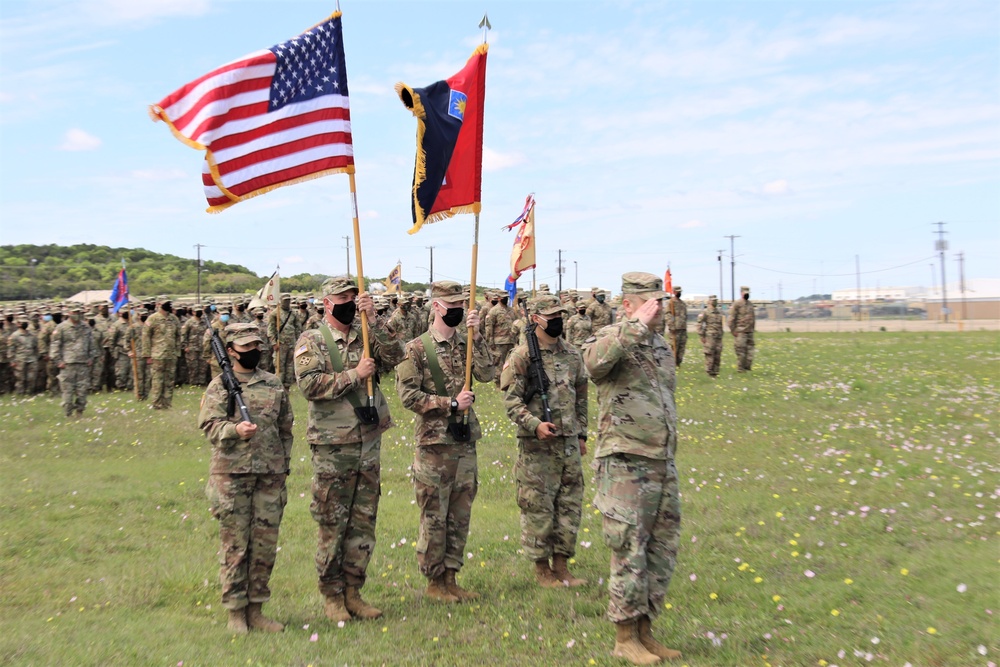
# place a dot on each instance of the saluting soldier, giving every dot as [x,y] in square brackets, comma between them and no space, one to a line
[549,471]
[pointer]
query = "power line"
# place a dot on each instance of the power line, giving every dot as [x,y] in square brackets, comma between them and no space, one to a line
[838,275]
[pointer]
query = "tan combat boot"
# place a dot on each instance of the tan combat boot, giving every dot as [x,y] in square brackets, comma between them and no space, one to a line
[645,628]
[561,570]
[258,621]
[456,590]
[628,646]
[437,590]
[543,573]
[357,606]
[238,621]
[335,609]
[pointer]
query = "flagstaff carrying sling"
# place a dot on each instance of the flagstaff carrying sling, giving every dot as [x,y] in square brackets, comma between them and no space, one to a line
[367,414]
[459,430]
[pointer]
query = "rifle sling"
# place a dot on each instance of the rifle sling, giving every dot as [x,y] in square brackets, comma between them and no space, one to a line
[337,361]
[434,366]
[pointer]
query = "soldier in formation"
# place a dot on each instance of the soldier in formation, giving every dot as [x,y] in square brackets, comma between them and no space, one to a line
[637,487]
[710,330]
[549,471]
[247,473]
[598,311]
[677,322]
[742,322]
[22,353]
[431,382]
[499,331]
[579,327]
[334,374]
[282,332]
[73,351]
[161,345]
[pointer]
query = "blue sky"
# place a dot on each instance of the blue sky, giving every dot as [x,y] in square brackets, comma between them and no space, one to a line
[648,131]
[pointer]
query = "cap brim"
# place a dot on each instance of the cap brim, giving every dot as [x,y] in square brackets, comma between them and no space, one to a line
[555,310]
[655,294]
[455,298]
[246,340]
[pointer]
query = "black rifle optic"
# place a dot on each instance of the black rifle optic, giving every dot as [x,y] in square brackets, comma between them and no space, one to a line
[539,382]
[229,380]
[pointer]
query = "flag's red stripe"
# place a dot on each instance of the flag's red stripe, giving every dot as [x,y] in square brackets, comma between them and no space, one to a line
[221,93]
[231,140]
[282,150]
[277,177]
[180,93]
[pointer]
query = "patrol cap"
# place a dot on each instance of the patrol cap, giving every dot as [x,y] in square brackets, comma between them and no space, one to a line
[744,289]
[595,289]
[712,297]
[544,287]
[286,295]
[448,291]
[642,284]
[242,333]
[546,304]
[74,307]
[338,285]
[677,288]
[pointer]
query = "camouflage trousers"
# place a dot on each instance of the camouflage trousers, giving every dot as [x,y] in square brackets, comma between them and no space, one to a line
[249,510]
[445,481]
[679,340]
[640,501]
[142,377]
[161,376]
[123,371]
[287,364]
[97,372]
[24,377]
[181,374]
[5,377]
[712,347]
[550,494]
[744,350]
[196,371]
[52,377]
[74,380]
[41,378]
[346,487]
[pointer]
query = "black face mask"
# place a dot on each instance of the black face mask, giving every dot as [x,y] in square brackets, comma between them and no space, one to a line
[494,302]
[249,359]
[57,318]
[582,311]
[600,298]
[554,327]
[24,326]
[260,316]
[746,297]
[167,307]
[344,312]
[453,317]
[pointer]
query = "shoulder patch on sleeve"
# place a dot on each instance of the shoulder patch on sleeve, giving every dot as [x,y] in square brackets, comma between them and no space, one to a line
[301,349]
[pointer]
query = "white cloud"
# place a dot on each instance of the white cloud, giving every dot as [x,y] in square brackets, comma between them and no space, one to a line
[78,140]
[495,161]
[691,224]
[779,187]
[129,11]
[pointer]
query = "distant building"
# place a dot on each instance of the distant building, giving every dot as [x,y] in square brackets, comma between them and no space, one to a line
[872,294]
[980,301]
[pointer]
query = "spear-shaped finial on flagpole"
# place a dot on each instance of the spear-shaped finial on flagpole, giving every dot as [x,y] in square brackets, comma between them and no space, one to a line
[485,25]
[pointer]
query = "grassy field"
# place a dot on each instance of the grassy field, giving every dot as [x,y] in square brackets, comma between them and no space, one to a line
[840,508]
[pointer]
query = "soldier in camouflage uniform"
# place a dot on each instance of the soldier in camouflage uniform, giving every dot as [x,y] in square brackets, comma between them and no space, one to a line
[121,345]
[218,324]
[136,327]
[43,379]
[282,332]
[22,353]
[599,312]
[499,332]
[677,322]
[445,477]
[742,322]
[247,473]
[710,330]
[548,470]
[73,350]
[102,324]
[6,376]
[192,332]
[346,454]
[161,345]
[637,489]
[579,327]
[259,314]
[401,319]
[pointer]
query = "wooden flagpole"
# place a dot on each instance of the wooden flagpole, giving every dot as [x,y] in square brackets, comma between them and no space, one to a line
[361,281]
[472,305]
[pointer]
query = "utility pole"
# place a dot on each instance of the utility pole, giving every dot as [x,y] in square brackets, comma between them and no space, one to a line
[199,246]
[431,248]
[732,267]
[961,282]
[576,275]
[722,295]
[559,270]
[347,249]
[941,245]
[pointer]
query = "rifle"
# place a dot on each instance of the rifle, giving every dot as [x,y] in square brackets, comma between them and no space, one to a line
[229,380]
[539,381]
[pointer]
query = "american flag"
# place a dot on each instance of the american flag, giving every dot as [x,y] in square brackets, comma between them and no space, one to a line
[274,117]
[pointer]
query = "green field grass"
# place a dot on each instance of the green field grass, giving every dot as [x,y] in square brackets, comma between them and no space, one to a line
[840,508]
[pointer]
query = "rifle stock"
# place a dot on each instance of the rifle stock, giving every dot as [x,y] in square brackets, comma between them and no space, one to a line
[539,381]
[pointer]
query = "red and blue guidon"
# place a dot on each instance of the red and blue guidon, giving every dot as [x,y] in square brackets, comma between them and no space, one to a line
[119,292]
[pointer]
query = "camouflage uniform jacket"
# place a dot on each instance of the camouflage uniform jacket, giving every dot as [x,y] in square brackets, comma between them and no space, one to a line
[270,449]
[401,321]
[679,320]
[22,347]
[45,337]
[567,393]
[161,339]
[332,420]
[417,392]
[313,322]
[578,329]
[741,317]
[633,370]
[710,323]
[599,314]
[119,336]
[191,333]
[500,326]
[103,325]
[73,344]
[283,328]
